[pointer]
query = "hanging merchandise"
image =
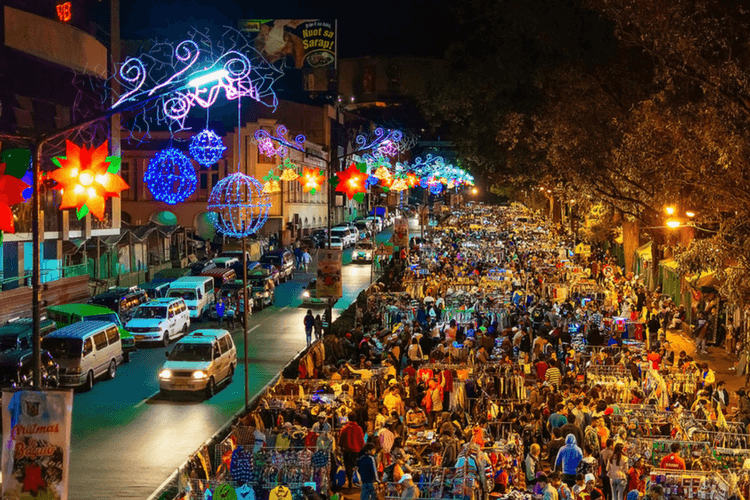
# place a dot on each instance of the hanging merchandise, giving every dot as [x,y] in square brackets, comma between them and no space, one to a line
[240,205]
[312,179]
[351,182]
[86,178]
[288,170]
[11,193]
[171,177]
[206,147]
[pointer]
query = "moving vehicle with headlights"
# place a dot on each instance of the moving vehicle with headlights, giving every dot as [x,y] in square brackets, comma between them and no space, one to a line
[198,363]
[67,314]
[263,289]
[310,297]
[17,369]
[161,320]
[363,251]
[85,351]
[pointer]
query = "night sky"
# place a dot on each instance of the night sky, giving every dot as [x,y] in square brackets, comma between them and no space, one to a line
[388,27]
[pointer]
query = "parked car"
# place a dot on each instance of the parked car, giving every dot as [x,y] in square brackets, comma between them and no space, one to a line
[283,260]
[198,267]
[310,242]
[220,276]
[345,235]
[363,251]
[251,266]
[310,297]
[161,320]
[199,362]
[263,289]
[68,314]
[121,300]
[337,242]
[364,229]
[272,271]
[224,262]
[156,289]
[376,222]
[197,292]
[229,292]
[172,273]
[17,334]
[85,351]
[17,369]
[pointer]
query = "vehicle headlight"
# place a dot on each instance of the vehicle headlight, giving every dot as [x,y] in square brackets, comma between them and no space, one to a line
[74,371]
[199,374]
[165,374]
[154,329]
[306,294]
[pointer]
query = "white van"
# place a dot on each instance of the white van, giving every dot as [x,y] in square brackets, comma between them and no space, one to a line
[345,234]
[199,362]
[160,320]
[197,292]
[84,351]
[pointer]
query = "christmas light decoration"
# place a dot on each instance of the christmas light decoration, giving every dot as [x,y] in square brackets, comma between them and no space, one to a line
[384,143]
[11,193]
[436,188]
[87,178]
[240,205]
[412,180]
[311,179]
[371,181]
[382,173]
[272,187]
[170,177]
[288,170]
[399,185]
[351,181]
[267,142]
[206,147]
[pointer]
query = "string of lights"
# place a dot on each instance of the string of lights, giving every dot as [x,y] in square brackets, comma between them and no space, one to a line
[170,177]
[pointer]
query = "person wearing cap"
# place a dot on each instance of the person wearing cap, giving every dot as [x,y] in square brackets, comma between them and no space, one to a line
[591,492]
[321,425]
[409,490]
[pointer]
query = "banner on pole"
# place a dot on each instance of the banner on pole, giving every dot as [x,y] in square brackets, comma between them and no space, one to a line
[36,444]
[329,274]
[401,232]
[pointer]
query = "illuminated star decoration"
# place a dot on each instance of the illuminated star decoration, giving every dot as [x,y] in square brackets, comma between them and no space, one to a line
[11,193]
[87,178]
[311,180]
[206,147]
[352,183]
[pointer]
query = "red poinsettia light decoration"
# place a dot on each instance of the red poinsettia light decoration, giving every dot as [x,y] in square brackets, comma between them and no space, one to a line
[11,189]
[86,179]
[351,181]
[311,179]
[412,180]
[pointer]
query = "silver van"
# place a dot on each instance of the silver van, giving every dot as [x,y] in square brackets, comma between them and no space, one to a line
[85,351]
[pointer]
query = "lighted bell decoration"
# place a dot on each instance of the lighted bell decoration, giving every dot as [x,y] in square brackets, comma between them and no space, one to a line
[272,187]
[87,178]
[170,177]
[240,205]
[399,185]
[289,174]
[206,147]
[351,181]
[451,184]
[382,173]
[311,179]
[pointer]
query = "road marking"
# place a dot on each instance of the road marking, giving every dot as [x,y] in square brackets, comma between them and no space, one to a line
[253,328]
[143,402]
[283,308]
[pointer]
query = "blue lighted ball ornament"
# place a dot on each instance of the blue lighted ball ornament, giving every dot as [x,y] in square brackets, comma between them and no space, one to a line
[170,177]
[240,205]
[436,188]
[424,182]
[206,147]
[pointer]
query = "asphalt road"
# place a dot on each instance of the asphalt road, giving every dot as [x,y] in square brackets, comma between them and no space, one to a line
[126,440]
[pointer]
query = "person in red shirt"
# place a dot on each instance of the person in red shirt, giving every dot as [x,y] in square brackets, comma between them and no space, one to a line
[541,369]
[654,358]
[673,460]
[351,442]
[636,476]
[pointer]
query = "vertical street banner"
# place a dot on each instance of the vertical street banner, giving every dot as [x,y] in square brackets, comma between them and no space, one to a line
[36,444]
[401,232]
[329,274]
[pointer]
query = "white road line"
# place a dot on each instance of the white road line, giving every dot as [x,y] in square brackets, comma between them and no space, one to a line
[253,328]
[143,402]
[283,308]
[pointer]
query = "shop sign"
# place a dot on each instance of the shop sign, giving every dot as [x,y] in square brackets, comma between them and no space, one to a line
[401,232]
[329,274]
[36,444]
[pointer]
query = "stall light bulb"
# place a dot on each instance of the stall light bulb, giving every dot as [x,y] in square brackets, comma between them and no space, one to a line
[670,210]
[673,223]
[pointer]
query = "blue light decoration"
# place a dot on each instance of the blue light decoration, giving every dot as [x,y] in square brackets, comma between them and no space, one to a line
[206,147]
[170,177]
[371,181]
[267,142]
[240,205]
[385,142]
[424,182]
[436,188]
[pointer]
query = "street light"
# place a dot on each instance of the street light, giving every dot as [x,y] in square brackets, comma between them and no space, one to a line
[670,210]
[213,76]
[474,191]
[673,223]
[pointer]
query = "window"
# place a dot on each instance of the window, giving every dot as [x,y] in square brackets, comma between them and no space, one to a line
[125,174]
[172,310]
[224,342]
[216,350]
[113,335]
[100,339]
[180,307]
[88,346]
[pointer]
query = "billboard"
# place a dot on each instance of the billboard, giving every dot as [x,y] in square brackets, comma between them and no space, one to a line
[299,43]
[401,232]
[329,274]
[36,444]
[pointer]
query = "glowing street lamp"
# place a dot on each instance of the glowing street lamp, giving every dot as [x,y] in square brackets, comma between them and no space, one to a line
[673,223]
[474,191]
[690,214]
[213,76]
[670,210]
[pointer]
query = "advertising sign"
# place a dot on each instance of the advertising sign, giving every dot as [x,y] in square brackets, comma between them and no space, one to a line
[36,444]
[401,232]
[329,274]
[301,43]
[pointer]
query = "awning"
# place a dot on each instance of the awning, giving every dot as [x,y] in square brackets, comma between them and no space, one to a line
[164,218]
[644,251]
[669,264]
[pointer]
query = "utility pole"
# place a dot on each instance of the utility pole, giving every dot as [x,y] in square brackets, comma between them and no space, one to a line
[244,319]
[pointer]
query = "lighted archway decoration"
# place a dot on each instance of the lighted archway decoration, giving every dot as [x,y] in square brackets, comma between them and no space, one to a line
[312,179]
[240,205]
[87,178]
[11,193]
[352,182]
